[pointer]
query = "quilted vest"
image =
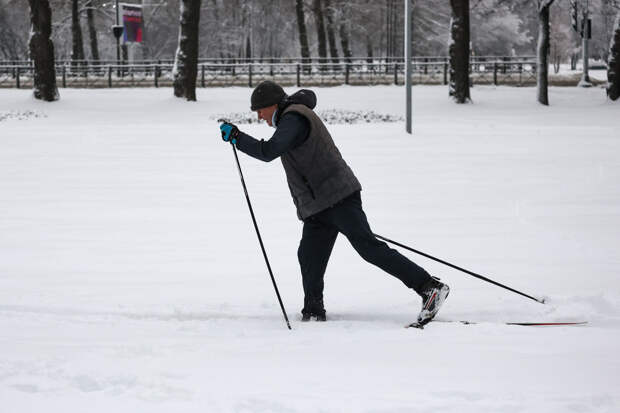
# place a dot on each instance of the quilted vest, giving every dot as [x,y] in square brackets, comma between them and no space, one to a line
[317,176]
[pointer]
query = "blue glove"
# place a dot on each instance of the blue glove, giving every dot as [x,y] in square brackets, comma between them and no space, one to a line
[229,132]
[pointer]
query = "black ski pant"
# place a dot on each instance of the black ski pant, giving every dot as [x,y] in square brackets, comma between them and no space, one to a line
[348,217]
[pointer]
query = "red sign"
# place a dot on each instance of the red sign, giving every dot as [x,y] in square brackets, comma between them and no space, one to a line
[132,22]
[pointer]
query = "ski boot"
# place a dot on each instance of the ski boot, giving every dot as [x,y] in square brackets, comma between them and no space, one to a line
[434,293]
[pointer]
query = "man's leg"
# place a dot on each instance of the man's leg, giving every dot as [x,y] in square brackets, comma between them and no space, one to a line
[314,251]
[349,218]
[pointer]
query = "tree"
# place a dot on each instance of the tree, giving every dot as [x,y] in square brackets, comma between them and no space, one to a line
[186,59]
[331,31]
[459,51]
[76,31]
[320,30]
[13,39]
[496,29]
[344,34]
[303,33]
[542,68]
[161,24]
[391,27]
[42,51]
[561,39]
[92,31]
[613,68]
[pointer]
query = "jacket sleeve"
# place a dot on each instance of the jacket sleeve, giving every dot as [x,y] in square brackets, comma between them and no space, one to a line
[293,129]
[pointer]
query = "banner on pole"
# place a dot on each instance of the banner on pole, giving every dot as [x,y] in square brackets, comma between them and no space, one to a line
[132,22]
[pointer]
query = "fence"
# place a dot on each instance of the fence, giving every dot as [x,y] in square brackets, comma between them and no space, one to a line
[518,71]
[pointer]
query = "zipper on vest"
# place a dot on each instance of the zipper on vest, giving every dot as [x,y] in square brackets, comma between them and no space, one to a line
[308,186]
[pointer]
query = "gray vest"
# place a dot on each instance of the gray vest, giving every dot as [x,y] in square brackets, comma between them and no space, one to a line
[317,175]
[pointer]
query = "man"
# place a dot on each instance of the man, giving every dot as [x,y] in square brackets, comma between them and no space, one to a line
[326,194]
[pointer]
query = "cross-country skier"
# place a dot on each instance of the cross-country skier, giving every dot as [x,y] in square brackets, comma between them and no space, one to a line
[326,194]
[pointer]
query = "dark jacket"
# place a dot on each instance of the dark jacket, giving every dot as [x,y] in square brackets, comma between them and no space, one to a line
[317,175]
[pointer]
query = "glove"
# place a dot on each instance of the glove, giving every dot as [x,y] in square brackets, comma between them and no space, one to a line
[229,132]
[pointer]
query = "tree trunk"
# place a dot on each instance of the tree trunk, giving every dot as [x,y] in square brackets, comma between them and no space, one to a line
[542,68]
[344,43]
[248,48]
[459,51]
[613,68]
[94,47]
[388,28]
[186,59]
[369,48]
[393,28]
[320,30]
[331,34]
[77,53]
[11,44]
[42,51]
[303,34]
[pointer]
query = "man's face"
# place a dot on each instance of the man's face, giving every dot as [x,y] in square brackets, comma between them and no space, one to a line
[266,114]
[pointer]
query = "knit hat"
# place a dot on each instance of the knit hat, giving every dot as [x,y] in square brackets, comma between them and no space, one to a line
[265,94]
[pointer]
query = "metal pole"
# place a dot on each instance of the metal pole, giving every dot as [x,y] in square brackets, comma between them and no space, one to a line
[260,240]
[538,300]
[408,45]
[118,40]
[585,78]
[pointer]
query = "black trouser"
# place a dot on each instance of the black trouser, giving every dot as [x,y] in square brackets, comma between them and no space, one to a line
[348,217]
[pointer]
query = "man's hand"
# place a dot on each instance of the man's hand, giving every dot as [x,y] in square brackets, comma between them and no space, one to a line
[229,132]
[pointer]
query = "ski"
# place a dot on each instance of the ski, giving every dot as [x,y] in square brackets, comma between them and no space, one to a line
[524,324]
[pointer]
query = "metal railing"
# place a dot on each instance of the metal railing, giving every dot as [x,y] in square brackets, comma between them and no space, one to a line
[280,60]
[214,72]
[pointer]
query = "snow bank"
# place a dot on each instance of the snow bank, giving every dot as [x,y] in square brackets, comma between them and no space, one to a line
[131,278]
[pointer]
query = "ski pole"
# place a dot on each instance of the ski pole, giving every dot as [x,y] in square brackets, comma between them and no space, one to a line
[538,300]
[260,240]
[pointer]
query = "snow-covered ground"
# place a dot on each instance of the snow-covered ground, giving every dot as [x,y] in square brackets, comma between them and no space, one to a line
[131,279]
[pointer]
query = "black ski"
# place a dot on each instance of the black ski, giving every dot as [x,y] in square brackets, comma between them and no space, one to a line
[524,324]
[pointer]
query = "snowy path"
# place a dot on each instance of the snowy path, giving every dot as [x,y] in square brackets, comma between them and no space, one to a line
[131,279]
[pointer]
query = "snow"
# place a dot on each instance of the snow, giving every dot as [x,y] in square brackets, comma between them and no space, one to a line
[131,278]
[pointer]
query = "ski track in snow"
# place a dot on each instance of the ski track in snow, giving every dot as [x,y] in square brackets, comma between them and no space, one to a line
[131,278]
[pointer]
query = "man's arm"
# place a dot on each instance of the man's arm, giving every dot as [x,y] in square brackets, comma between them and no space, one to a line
[292,131]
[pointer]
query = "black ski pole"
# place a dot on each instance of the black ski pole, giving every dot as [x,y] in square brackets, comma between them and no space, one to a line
[538,300]
[260,240]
